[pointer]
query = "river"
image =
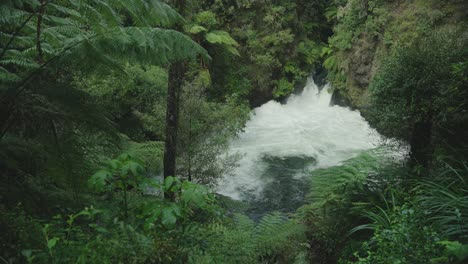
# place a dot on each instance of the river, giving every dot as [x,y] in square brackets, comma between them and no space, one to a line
[282,143]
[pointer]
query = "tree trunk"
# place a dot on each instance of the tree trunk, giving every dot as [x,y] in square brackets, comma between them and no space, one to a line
[421,145]
[176,80]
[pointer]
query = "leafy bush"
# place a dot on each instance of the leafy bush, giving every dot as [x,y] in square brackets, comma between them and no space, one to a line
[283,88]
[338,197]
[401,235]
[445,201]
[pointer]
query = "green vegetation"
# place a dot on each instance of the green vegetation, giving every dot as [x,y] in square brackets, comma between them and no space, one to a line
[372,210]
[403,63]
[419,91]
[116,117]
[367,31]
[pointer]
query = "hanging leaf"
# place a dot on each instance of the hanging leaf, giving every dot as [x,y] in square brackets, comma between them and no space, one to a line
[98,180]
[169,216]
[232,50]
[196,29]
[331,12]
[52,242]
[115,164]
[330,63]
[221,37]
[132,167]
[204,78]
[168,182]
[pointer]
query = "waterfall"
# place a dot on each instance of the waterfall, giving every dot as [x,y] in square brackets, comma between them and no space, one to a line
[282,143]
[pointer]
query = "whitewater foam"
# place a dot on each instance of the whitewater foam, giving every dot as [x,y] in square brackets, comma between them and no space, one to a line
[305,126]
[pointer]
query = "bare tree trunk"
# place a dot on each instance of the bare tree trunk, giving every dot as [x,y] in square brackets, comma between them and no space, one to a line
[176,80]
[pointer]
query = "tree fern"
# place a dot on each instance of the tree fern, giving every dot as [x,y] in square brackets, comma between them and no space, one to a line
[76,34]
[350,176]
[275,239]
[72,27]
[275,233]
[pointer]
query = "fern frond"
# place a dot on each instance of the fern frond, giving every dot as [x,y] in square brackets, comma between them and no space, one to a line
[244,223]
[275,231]
[21,3]
[12,16]
[65,11]
[446,201]
[221,37]
[157,13]
[352,172]
[22,63]
[146,45]
[7,76]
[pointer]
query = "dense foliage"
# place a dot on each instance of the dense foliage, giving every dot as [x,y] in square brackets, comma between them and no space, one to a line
[419,95]
[403,63]
[82,82]
[84,92]
[279,44]
[367,31]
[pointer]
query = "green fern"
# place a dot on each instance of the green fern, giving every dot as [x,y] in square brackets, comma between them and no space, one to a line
[150,152]
[446,201]
[76,34]
[326,184]
[275,239]
[220,37]
[72,28]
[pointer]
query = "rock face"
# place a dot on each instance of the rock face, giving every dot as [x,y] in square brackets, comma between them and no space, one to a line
[361,62]
[341,100]
[258,97]
[360,70]
[383,27]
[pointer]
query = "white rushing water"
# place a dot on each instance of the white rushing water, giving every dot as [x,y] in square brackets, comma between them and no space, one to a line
[306,126]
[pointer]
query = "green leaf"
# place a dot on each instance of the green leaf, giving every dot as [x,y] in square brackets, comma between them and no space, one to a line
[115,164]
[132,167]
[124,157]
[194,195]
[330,63]
[52,242]
[331,12]
[204,78]
[168,182]
[196,29]
[206,18]
[232,50]
[455,248]
[98,180]
[168,217]
[221,37]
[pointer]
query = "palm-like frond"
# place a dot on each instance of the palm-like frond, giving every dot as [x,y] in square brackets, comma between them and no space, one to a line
[92,30]
[144,45]
[446,201]
[83,35]
[248,242]
[275,231]
[331,184]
